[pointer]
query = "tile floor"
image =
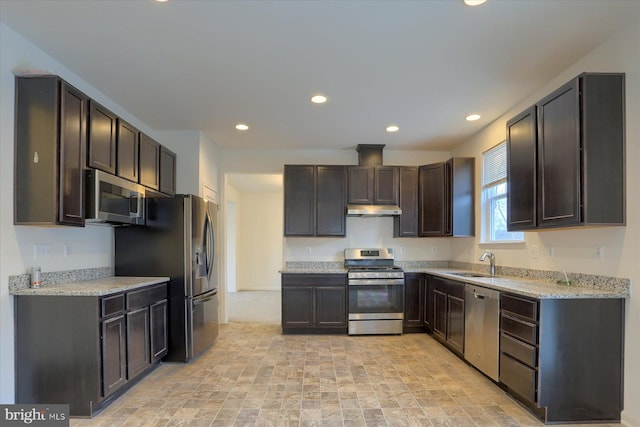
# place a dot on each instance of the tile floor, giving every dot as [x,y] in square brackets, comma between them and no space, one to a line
[255,376]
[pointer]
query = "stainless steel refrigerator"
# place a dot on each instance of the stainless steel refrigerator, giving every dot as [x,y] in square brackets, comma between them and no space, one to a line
[178,241]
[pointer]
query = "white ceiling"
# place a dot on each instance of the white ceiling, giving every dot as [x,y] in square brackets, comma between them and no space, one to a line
[423,65]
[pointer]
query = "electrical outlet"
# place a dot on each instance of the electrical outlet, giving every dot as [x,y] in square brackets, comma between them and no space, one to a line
[66,250]
[41,250]
[308,249]
[599,252]
[434,250]
[535,251]
[551,251]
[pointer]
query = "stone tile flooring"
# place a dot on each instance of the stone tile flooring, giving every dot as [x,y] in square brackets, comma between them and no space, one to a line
[255,376]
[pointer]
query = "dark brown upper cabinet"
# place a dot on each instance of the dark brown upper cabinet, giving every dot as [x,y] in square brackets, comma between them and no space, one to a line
[127,165]
[102,138]
[314,200]
[149,162]
[580,156]
[50,152]
[167,171]
[446,198]
[373,185]
[522,170]
[406,225]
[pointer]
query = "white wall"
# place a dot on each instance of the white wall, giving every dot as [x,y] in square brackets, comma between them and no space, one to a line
[574,250]
[260,230]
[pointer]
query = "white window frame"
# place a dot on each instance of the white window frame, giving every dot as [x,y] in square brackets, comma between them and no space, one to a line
[494,176]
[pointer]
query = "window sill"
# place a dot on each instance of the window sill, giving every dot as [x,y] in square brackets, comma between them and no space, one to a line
[505,243]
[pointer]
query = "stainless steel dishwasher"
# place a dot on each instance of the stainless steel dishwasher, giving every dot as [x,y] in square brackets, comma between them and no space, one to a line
[482,329]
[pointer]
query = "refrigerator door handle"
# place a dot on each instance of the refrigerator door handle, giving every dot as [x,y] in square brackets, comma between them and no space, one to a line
[210,246]
[204,298]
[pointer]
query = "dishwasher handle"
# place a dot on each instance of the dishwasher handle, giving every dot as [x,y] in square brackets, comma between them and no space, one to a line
[478,296]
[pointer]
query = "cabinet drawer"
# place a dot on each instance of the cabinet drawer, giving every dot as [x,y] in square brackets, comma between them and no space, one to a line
[519,328]
[517,349]
[111,305]
[518,377]
[146,296]
[523,307]
[293,279]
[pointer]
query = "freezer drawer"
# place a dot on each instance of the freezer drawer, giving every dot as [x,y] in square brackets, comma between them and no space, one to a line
[203,321]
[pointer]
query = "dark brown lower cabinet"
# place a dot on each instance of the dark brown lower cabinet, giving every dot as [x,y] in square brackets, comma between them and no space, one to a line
[314,303]
[138,341]
[114,354]
[87,350]
[447,298]
[415,288]
[563,358]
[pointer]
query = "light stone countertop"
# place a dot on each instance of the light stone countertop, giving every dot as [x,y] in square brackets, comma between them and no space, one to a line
[98,287]
[522,286]
[526,287]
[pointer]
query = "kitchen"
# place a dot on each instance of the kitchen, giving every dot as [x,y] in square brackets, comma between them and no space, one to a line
[573,250]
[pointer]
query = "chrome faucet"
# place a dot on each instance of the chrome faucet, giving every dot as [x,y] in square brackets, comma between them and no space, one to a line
[492,261]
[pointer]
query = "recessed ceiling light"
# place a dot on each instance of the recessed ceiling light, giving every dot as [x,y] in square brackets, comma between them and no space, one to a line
[162,1]
[318,99]
[472,117]
[393,128]
[242,126]
[474,2]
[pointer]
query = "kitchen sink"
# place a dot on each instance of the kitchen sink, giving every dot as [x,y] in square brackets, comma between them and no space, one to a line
[468,274]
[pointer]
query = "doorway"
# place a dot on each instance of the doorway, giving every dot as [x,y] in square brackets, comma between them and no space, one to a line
[254,245]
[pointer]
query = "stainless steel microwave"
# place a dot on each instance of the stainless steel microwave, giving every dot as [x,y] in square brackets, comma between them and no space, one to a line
[111,199]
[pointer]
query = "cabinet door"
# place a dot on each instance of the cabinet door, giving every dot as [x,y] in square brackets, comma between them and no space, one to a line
[138,354]
[102,138]
[432,200]
[439,313]
[297,307]
[127,151]
[427,314]
[299,200]
[559,187]
[413,300]
[386,185]
[521,171]
[406,225]
[114,359]
[73,140]
[158,321]
[167,171]
[455,322]
[330,201]
[331,306]
[361,185]
[149,162]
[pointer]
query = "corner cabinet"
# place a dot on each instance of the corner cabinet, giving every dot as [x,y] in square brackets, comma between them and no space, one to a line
[86,350]
[579,174]
[564,358]
[314,303]
[446,198]
[416,309]
[314,200]
[50,152]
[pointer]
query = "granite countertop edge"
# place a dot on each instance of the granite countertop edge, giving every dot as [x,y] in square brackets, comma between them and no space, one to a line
[97,287]
[525,287]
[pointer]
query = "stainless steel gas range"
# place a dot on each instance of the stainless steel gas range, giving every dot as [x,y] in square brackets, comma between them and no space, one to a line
[376,291]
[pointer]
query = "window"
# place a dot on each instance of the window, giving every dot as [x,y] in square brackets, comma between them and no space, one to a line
[494,197]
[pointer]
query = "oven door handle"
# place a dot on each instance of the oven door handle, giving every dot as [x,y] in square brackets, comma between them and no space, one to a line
[379,282]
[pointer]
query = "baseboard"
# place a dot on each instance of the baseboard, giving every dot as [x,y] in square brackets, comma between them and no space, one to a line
[630,420]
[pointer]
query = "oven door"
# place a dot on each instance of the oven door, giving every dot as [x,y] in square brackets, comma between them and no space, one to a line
[376,299]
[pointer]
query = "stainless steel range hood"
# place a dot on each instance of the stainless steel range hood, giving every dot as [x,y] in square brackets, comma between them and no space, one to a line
[373,210]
